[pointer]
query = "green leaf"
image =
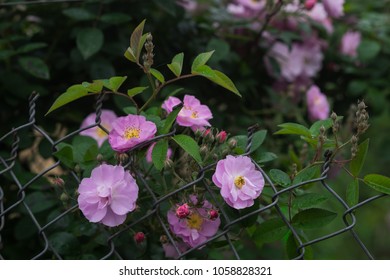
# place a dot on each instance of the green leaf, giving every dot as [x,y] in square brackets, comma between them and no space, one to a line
[308,200]
[64,243]
[378,182]
[170,120]
[177,64]
[270,231]
[313,218]
[31,47]
[38,202]
[115,18]
[279,177]
[189,145]
[157,74]
[200,60]
[65,154]
[352,194]
[89,41]
[294,128]
[84,149]
[368,50]
[217,77]
[136,90]
[129,54]
[306,174]
[71,94]
[135,40]
[258,139]
[327,123]
[266,157]
[357,163]
[114,83]
[35,66]
[292,248]
[78,14]
[94,87]
[159,154]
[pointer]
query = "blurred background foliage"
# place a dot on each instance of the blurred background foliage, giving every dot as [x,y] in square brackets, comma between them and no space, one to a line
[46,47]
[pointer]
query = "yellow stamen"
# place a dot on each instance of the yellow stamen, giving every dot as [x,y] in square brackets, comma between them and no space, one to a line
[239,182]
[194,221]
[131,132]
[194,115]
[100,133]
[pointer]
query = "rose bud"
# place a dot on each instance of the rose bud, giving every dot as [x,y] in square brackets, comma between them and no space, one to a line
[139,237]
[183,211]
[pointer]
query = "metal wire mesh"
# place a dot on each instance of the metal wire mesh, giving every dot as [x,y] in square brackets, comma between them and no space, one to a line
[7,166]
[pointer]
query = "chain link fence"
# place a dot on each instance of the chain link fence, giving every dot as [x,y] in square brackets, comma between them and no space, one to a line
[42,227]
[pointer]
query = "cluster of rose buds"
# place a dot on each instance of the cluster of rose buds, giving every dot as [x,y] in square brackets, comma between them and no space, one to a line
[183,211]
[148,56]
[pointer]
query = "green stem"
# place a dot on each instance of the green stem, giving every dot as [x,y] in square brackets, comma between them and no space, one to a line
[160,87]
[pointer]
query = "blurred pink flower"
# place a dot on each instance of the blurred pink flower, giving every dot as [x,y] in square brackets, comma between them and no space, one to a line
[107,117]
[197,227]
[170,251]
[239,180]
[108,195]
[170,103]
[150,151]
[129,131]
[237,10]
[194,114]
[302,60]
[349,43]
[317,104]
[335,8]
[253,5]
[189,5]
[309,4]
[319,14]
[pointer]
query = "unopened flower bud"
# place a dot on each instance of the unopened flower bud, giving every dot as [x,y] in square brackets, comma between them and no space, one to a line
[183,211]
[168,163]
[99,158]
[58,182]
[213,214]
[333,116]
[221,137]
[361,105]
[309,4]
[204,150]
[232,143]
[206,132]
[354,140]
[322,130]
[139,237]
[64,197]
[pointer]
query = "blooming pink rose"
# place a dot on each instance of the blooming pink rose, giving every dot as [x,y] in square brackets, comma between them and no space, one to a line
[335,8]
[170,103]
[317,104]
[193,114]
[107,117]
[239,180]
[350,42]
[237,10]
[197,227]
[129,131]
[319,14]
[108,195]
[150,151]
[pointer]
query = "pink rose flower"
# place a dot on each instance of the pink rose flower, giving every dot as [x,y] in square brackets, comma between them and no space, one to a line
[170,103]
[349,43]
[253,5]
[150,151]
[335,8]
[129,131]
[239,180]
[319,14]
[108,195]
[197,227]
[317,104]
[107,117]
[309,4]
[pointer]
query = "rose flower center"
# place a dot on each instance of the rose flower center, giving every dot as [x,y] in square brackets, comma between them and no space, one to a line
[194,115]
[194,221]
[239,181]
[131,133]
